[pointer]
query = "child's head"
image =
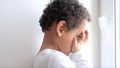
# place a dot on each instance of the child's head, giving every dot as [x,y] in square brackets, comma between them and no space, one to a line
[65,20]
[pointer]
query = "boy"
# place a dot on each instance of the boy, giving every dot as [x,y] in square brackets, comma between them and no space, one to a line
[64,23]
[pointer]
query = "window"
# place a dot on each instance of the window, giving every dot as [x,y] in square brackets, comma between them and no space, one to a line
[107,27]
[117,15]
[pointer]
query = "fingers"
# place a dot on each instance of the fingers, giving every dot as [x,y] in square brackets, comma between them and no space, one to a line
[79,41]
[86,36]
[74,45]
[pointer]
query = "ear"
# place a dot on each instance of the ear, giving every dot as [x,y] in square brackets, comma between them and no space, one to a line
[61,28]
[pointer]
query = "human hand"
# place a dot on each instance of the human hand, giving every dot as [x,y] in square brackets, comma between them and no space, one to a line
[78,42]
[75,45]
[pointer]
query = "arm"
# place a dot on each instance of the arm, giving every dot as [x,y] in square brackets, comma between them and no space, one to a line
[78,59]
[76,55]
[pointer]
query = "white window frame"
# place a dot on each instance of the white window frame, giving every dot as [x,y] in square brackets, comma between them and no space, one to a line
[117,17]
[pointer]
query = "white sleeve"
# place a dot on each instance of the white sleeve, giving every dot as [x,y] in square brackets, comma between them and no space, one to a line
[61,61]
[79,60]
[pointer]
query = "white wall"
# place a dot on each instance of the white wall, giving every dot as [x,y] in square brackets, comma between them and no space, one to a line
[95,33]
[21,36]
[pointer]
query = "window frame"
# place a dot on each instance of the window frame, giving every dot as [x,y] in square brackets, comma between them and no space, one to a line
[117,33]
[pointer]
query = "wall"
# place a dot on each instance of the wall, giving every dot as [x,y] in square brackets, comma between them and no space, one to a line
[95,33]
[21,36]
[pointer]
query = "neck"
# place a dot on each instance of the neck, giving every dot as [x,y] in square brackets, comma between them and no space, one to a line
[48,42]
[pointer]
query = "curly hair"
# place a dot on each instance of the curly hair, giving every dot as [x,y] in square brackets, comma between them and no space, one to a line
[71,11]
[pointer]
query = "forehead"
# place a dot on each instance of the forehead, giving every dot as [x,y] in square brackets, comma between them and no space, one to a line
[84,24]
[81,27]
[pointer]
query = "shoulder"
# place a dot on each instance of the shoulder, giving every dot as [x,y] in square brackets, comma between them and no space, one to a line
[60,60]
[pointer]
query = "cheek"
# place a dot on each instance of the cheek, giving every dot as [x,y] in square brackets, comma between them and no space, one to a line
[68,41]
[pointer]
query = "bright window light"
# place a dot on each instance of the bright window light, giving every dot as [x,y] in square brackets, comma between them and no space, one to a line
[117,15]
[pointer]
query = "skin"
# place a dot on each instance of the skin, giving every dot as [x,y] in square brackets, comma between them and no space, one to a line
[59,38]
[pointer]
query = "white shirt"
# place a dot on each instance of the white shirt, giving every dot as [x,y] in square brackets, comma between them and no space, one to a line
[49,58]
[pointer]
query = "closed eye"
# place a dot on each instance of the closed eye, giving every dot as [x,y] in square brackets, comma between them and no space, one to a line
[79,37]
